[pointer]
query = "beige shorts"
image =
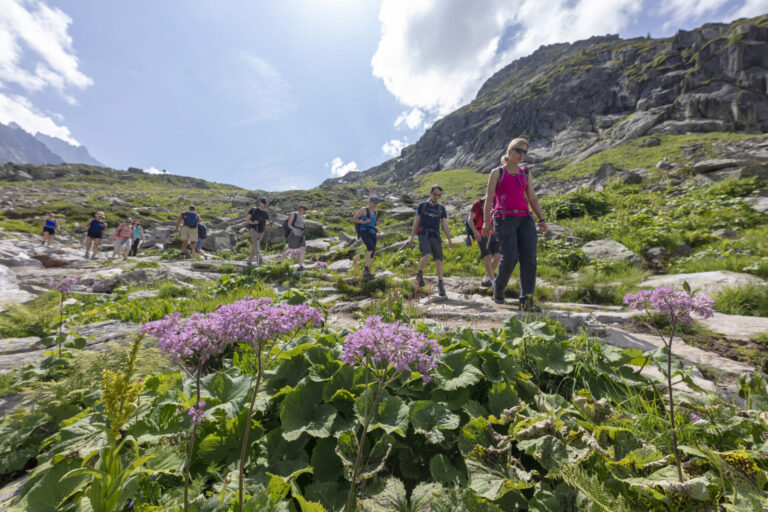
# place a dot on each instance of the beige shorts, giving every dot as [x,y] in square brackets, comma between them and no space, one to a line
[188,233]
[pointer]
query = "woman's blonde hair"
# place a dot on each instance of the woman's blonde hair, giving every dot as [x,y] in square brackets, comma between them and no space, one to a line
[514,144]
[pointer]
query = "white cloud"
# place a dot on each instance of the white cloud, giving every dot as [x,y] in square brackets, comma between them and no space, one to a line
[339,168]
[154,170]
[254,82]
[20,110]
[681,11]
[413,119]
[32,32]
[394,147]
[434,55]
[750,9]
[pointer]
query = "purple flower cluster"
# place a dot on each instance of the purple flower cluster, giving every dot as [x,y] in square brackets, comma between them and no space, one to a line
[291,252]
[677,304]
[321,264]
[395,345]
[249,320]
[197,412]
[63,286]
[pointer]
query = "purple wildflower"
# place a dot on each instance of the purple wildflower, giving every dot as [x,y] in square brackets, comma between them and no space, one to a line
[695,417]
[64,286]
[321,264]
[678,305]
[197,413]
[291,252]
[395,345]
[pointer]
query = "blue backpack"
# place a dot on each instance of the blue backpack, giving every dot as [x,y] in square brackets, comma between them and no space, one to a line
[190,219]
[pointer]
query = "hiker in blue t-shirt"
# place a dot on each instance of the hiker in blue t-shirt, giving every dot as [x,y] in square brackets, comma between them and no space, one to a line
[96,228]
[430,216]
[49,228]
[138,236]
[366,219]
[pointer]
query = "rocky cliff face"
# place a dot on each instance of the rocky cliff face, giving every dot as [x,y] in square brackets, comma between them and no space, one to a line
[574,100]
[18,146]
[68,153]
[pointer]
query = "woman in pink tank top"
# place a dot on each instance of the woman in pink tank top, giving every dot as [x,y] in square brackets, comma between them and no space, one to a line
[511,189]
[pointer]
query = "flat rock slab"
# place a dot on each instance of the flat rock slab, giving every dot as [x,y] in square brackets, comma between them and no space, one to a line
[16,345]
[736,326]
[10,491]
[706,283]
[610,250]
[680,349]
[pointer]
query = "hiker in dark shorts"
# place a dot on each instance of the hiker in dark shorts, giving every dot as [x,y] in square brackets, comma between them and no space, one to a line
[295,238]
[188,232]
[430,216]
[202,234]
[138,236]
[50,227]
[258,220]
[96,228]
[490,250]
[510,192]
[366,219]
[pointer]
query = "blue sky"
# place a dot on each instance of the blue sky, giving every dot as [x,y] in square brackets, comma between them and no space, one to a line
[281,94]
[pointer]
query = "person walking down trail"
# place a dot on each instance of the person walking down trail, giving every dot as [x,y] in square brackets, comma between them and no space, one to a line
[258,220]
[123,239]
[96,228]
[430,216]
[366,220]
[50,227]
[294,229]
[490,251]
[511,189]
[202,234]
[188,231]
[138,236]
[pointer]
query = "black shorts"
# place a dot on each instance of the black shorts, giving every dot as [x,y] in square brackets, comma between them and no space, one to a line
[431,245]
[94,235]
[369,239]
[487,249]
[49,230]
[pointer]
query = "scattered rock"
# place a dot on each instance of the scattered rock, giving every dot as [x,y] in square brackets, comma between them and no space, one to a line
[706,283]
[656,254]
[49,262]
[725,233]
[610,250]
[650,142]
[341,265]
[706,166]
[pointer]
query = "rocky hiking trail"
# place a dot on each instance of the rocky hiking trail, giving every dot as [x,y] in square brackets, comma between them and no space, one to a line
[463,306]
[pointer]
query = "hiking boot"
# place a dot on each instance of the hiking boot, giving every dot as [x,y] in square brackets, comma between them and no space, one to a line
[420,279]
[440,289]
[526,304]
[367,273]
[498,297]
[300,268]
[486,283]
[86,254]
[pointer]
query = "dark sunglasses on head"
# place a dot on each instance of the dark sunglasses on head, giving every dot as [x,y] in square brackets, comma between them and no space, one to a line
[520,151]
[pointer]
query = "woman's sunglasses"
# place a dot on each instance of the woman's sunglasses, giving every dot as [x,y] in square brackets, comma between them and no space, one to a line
[520,151]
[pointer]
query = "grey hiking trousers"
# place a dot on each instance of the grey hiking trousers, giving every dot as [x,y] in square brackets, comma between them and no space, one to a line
[517,238]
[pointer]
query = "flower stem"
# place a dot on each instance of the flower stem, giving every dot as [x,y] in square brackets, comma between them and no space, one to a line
[245,434]
[192,440]
[671,402]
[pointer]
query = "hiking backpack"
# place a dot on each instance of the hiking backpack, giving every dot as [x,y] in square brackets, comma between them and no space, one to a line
[359,227]
[286,229]
[190,219]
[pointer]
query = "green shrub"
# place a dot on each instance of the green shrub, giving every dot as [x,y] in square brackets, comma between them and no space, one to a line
[749,300]
[578,204]
[561,254]
[146,264]
[172,291]
[35,318]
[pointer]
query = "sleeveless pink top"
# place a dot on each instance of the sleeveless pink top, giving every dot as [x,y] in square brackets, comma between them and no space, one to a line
[509,199]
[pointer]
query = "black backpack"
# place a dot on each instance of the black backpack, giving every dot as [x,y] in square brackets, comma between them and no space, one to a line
[202,232]
[190,219]
[286,229]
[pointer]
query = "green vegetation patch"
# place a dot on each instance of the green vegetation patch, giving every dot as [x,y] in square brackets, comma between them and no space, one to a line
[464,183]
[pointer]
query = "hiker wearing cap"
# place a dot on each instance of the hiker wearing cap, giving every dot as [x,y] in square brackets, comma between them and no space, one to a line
[430,216]
[188,231]
[123,239]
[49,228]
[96,227]
[510,188]
[490,251]
[138,236]
[366,219]
[258,220]
[295,234]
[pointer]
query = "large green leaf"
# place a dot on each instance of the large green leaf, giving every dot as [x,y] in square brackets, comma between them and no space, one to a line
[326,464]
[475,432]
[494,480]
[502,395]
[226,392]
[548,451]
[333,495]
[458,369]
[443,471]
[374,458]
[552,357]
[223,445]
[45,494]
[431,418]
[289,373]
[286,458]
[391,414]
[302,411]
[384,495]
[19,438]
